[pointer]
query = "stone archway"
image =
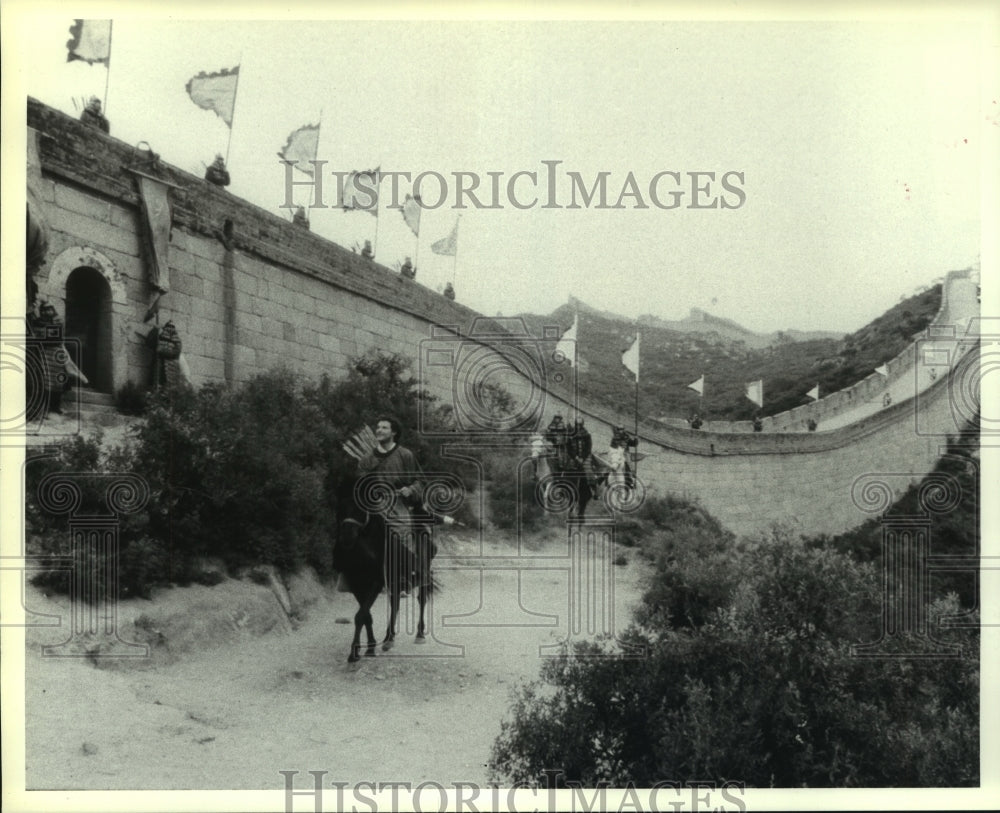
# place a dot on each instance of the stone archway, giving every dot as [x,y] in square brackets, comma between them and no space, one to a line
[90,292]
[88,326]
[83,257]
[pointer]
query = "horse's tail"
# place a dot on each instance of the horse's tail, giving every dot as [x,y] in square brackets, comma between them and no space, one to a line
[433,584]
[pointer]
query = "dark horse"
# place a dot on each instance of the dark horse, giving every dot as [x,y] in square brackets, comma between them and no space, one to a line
[566,481]
[374,556]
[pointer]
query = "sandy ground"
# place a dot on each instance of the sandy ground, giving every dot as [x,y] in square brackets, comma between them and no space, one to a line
[232,714]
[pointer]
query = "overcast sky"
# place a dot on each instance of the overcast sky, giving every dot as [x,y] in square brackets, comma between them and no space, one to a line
[859,147]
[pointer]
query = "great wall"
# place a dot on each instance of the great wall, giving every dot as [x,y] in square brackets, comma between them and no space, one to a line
[249,291]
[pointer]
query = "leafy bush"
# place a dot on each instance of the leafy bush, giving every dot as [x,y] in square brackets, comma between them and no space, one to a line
[237,474]
[752,675]
[765,692]
[90,468]
[242,475]
[76,454]
[511,498]
[131,398]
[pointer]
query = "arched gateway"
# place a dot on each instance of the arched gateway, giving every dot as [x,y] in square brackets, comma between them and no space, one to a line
[88,286]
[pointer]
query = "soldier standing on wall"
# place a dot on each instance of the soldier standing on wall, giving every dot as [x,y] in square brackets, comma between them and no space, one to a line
[93,117]
[300,219]
[449,292]
[407,270]
[367,252]
[216,173]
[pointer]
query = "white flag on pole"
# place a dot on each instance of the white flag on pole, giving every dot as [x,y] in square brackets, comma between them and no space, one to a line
[755,392]
[698,386]
[301,147]
[814,393]
[630,358]
[567,344]
[882,370]
[90,41]
[411,213]
[360,191]
[447,246]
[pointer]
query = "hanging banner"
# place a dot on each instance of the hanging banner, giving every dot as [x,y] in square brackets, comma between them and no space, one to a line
[156,206]
[37,244]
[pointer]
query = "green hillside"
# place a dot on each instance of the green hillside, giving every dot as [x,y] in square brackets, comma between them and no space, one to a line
[673,359]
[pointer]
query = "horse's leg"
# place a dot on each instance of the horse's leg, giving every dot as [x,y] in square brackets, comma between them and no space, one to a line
[369,632]
[584,498]
[359,620]
[390,632]
[422,598]
[577,487]
[424,579]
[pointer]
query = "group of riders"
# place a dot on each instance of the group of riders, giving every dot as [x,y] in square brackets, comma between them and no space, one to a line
[400,543]
[561,450]
[569,451]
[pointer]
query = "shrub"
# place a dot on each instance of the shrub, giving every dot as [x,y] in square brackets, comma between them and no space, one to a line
[131,398]
[762,690]
[512,498]
[88,467]
[237,474]
[75,454]
[243,475]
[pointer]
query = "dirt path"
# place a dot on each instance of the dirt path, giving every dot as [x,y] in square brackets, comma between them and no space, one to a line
[234,715]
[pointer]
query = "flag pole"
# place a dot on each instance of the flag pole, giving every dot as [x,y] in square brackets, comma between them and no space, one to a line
[378,200]
[107,65]
[454,257]
[636,423]
[636,426]
[319,134]
[375,245]
[236,92]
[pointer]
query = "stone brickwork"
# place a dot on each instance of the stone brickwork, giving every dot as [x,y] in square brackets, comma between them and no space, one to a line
[278,295]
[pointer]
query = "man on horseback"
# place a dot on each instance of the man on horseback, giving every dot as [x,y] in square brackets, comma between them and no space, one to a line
[556,435]
[579,450]
[400,534]
[397,467]
[394,465]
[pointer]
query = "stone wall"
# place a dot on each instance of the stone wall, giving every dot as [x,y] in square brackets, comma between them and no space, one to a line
[275,294]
